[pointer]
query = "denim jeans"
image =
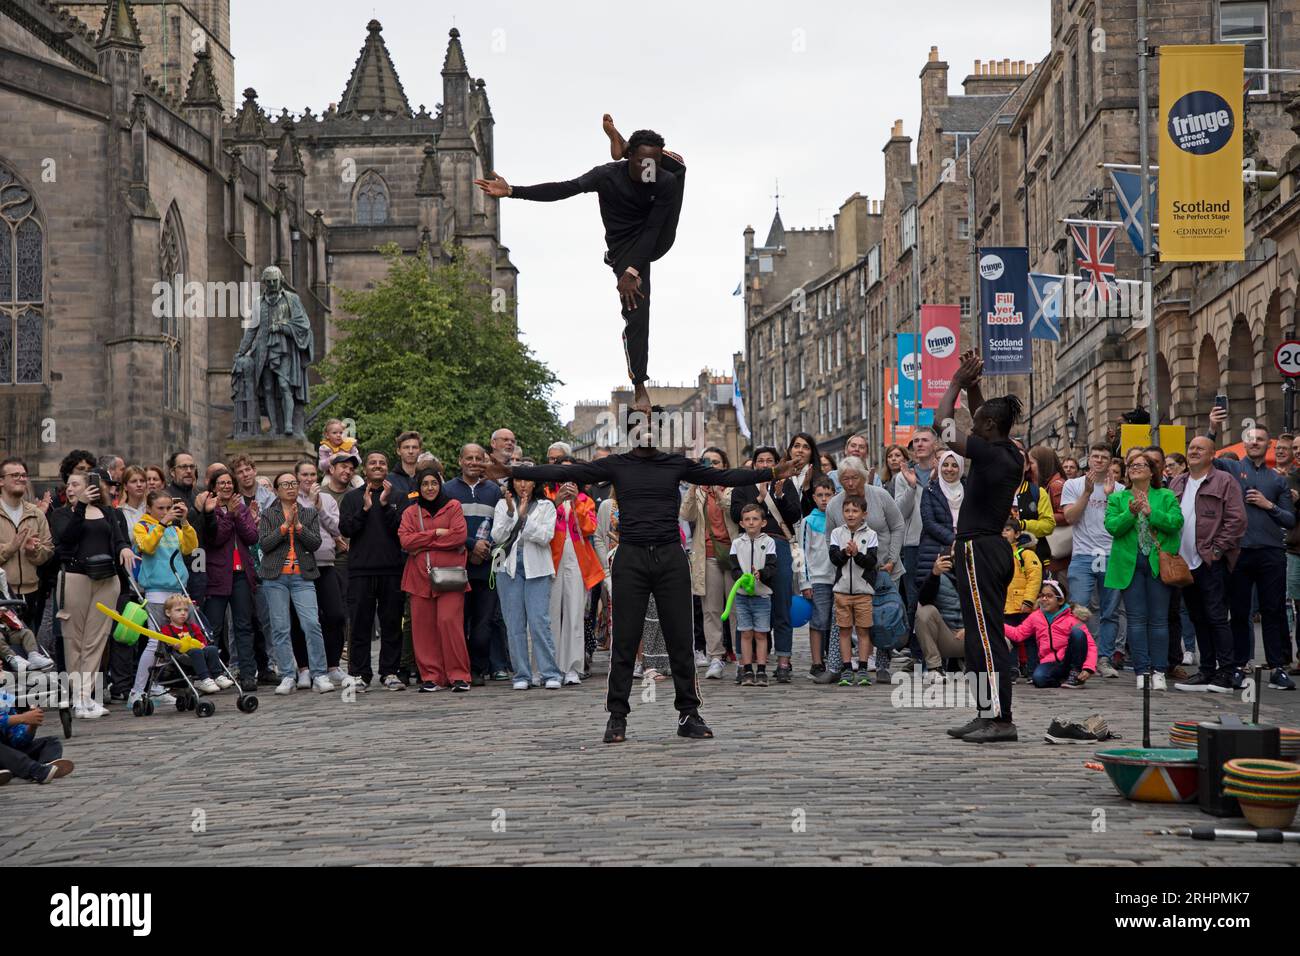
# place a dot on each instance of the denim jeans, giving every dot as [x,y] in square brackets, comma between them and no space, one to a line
[782,590]
[1147,601]
[280,592]
[206,661]
[1076,652]
[526,607]
[1084,583]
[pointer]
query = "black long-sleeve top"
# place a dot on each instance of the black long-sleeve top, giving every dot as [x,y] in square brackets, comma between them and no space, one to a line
[77,537]
[633,211]
[647,488]
[788,504]
[373,548]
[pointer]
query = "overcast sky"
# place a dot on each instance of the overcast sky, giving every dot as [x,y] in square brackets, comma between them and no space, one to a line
[748,92]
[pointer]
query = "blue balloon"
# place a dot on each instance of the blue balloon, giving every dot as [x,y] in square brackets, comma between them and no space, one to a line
[800,610]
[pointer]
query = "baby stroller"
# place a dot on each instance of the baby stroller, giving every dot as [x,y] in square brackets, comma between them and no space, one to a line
[171,670]
[31,694]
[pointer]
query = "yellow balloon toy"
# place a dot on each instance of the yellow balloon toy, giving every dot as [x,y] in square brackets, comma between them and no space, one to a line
[182,644]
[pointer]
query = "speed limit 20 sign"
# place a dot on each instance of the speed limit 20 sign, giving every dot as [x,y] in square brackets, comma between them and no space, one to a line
[1287,358]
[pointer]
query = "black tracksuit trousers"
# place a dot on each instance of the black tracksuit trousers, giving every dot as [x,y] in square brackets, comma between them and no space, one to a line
[664,571]
[984,567]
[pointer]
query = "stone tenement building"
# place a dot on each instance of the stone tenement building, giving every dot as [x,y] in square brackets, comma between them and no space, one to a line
[126,162]
[1034,136]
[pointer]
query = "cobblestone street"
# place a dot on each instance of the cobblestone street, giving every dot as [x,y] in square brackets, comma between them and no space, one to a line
[797,774]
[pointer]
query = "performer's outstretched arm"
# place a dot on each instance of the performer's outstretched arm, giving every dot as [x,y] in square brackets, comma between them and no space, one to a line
[498,188]
[967,377]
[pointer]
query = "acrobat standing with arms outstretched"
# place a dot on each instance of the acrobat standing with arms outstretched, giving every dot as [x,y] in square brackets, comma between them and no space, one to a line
[640,203]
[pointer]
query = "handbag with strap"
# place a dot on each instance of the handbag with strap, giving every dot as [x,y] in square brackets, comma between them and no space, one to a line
[1174,570]
[442,579]
[796,552]
[1061,542]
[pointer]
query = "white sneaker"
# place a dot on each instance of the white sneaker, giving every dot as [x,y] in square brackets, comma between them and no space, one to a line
[520,685]
[287,686]
[39,662]
[636,671]
[323,685]
[17,664]
[336,676]
[1142,681]
[1158,682]
[572,678]
[224,682]
[357,684]
[132,698]
[553,684]
[90,710]
[871,663]
[1188,658]
[304,678]
[716,667]
[158,690]
[701,659]
[206,686]
[163,700]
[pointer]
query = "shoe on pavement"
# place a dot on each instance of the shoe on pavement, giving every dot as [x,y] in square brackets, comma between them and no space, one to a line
[49,772]
[994,732]
[37,661]
[1280,681]
[553,683]
[716,667]
[827,676]
[1158,681]
[615,730]
[206,685]
[701,659]
[1198,682]
[336,676]
[163,699]
[477,680]
[637,671]
[969,727]
[520,685]
[1072,682]
[883,676]
[1238,678]
[223,682]
[572,678]
[304,678]
[1062,731]
[393,682]
[267,680]
[864,679]
[747,676]
[783,674]
[693,726]
[460,687]
[323,685]
[500,675]
[1188,658]
[429,687]
[1105,668]
[356,682]
[287,686]
[760,678]
[90,711]
[1141,681]
[845,677]
[247,685]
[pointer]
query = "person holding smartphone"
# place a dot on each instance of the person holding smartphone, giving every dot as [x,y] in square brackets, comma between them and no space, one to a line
[90,546]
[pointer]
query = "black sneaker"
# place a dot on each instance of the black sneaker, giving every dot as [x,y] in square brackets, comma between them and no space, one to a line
[460,687]
[1068,732]
[267,680]
[477,680]
[760,678]
[827,677]
[783,674]
[248,685]
[882,674]
[1073,683]
[616,730]
[740,674]
[691,725]
[747,677]
[1220,684]
[1238,678]
[49,772]
[993,732]
[815,670]
[5,777]
[429,687]
[968,727]
[1198,682]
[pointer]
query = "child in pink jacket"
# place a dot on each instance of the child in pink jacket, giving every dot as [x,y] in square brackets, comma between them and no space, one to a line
[1067,656]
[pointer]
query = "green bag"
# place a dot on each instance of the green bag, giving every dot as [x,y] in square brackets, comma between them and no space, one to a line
[136,614]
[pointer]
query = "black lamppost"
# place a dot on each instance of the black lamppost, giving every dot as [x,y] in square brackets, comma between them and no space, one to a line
[1053,436]
[1072,431]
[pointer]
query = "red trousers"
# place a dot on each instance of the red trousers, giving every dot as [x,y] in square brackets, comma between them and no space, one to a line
[438,634]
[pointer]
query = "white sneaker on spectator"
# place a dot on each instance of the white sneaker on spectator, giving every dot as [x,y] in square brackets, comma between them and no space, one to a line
[520,685]
[553,684]
[358,684]
[287,686]
[636,671]
[336,676]
[304,678]
[224,682]
[323,685]
[701,659]
[1158,681]
[157,690]
[1188,658]
[39,662]
[206,686]
[716,667]
[871,663]
[1142,681]
[162,698]
[90,710]
[572,678]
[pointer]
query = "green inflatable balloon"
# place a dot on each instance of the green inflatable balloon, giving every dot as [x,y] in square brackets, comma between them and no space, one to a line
[745,581]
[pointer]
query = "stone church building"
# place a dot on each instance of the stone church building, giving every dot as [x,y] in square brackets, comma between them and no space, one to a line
[128,165]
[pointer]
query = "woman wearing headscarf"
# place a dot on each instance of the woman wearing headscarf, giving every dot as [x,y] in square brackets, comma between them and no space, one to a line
[432,534]
[940,504]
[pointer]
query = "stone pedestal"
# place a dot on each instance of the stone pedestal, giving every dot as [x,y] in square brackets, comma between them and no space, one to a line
[271,454]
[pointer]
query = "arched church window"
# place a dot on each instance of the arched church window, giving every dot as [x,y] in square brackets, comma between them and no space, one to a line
[22,285]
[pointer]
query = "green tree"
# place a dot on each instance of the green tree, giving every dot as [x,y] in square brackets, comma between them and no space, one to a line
[424,350]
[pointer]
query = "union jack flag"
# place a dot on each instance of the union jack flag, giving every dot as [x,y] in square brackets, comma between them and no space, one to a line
[1094,257]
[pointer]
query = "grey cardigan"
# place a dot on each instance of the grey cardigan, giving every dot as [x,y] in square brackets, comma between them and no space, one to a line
[275,545]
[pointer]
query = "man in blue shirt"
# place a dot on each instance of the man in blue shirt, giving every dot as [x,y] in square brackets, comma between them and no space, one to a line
[1262,563]
[478,499]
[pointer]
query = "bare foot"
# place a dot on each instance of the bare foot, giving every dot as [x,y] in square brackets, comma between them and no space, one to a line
[641,399]
[617,144]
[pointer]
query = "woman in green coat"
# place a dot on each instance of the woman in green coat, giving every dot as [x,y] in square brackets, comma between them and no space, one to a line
[1143,519]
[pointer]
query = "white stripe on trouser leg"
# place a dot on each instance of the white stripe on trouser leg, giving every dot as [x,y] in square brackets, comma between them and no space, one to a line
[992,677]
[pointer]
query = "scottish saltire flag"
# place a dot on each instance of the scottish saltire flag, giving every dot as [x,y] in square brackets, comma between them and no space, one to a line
[1047,293]
[1094,258]
[1128,191]
[738,403]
